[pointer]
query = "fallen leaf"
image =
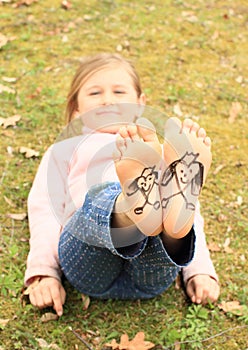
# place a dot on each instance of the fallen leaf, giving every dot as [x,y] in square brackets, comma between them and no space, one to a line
[222,217]
[66,5]
[215,35]
[9,201]
[10,150]
[87,18]
[218,169]
[239,79]
[177,110]
[119,48]
[86,301]
[3,40]
[178,283]
[232,306]
[9,79]
[3,322]
[213,247]
[10,121]
[17,217]
[36,93]
[226,247]
[24,3]
[31,286]
[49,316]
[28,152]
[235,110]
[239,200]
[42,343]
[4,88]
[137,343]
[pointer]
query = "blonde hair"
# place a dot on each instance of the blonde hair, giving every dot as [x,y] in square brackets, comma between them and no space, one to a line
[88,67]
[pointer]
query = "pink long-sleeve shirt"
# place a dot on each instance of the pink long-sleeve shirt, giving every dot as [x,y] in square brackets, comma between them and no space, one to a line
[67,170]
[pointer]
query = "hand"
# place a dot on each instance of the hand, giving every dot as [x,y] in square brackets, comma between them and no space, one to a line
[202,289]
[48,292]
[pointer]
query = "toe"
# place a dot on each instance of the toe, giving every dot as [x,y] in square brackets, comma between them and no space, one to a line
[123,132]
[146,130]
[207,141]
[133,132]
[187,124]
[202,133]
[195,127]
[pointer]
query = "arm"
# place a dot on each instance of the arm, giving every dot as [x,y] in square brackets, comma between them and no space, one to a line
[199,276]
[45,221]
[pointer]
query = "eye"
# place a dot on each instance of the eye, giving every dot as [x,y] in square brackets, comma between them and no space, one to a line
[94,93]
[119,92]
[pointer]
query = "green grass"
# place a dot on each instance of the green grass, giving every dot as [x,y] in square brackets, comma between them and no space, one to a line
[191,53]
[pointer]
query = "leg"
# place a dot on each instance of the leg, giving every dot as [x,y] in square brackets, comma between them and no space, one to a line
[187,159]
[91,270]
[137,162]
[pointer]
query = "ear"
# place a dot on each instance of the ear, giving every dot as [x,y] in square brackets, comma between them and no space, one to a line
[142,99]
[141,105]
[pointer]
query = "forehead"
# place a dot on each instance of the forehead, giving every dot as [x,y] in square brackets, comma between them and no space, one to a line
[117,73]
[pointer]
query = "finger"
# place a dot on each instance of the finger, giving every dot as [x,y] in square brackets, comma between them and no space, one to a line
[47,297]
[36,298]
[213,293]
[57,301]
[190,291]
[32,298]
[199,294]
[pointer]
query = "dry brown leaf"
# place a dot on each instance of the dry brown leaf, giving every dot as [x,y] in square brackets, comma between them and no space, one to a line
[3,40]
[18,217]
[9,201]
[24,3]
[49,316]
[28,152]
[226,247]
[10,121]
[66,5]
[86,301]
[218,169]
[137,343]
[235,110]
[213,247]
[215,35]
[4,88]
[9,79]
[232,306]
[177,110]
[3,322]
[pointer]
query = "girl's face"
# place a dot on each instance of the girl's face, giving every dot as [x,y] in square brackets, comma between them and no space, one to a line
[107,100]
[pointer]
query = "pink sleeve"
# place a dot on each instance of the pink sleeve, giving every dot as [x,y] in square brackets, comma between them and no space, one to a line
[45,219]
[201,263]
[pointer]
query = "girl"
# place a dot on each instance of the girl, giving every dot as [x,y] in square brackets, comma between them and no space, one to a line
[112,210]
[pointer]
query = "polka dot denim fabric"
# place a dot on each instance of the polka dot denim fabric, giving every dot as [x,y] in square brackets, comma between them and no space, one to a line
[94,266]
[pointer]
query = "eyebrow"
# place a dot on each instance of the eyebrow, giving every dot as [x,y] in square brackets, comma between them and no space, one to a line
[99,86]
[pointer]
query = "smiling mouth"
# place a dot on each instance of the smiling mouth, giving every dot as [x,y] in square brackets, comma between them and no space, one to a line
[107,112]
[183,181]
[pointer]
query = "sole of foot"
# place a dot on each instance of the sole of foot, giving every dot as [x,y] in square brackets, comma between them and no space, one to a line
[137,161]
[187,159]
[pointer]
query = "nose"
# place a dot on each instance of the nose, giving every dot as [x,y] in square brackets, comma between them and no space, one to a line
[107,99]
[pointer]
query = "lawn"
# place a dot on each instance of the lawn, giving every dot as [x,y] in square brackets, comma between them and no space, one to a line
[192,58]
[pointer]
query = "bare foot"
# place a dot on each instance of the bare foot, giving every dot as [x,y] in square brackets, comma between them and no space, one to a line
[137,163]
[187,156]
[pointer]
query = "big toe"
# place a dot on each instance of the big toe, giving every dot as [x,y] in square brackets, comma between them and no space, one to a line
[146,130]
